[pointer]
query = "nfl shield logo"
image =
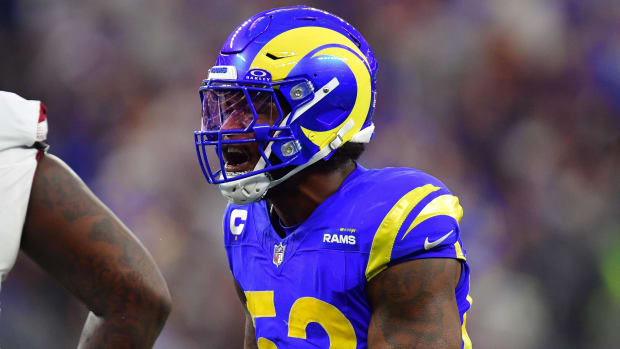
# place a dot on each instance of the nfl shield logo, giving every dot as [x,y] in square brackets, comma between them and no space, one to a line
[278,254]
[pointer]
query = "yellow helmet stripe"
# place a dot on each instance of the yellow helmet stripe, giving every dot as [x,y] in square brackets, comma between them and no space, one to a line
[362,100]
[293,45]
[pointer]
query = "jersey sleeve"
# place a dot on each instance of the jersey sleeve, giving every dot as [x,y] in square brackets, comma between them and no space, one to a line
[423,223]
[23,131]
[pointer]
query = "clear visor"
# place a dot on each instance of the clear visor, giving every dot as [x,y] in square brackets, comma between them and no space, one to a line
[230,109]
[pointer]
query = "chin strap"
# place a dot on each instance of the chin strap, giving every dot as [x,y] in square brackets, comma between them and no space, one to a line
[318,96]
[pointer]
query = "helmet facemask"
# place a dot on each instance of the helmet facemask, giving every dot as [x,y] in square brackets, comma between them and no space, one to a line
[243,119]
[240,123]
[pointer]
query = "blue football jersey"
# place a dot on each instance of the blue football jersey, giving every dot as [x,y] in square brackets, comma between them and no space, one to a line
[308,290]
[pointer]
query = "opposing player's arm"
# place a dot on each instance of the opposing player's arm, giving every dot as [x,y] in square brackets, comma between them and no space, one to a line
[249,341]
[414,306]
[77,240]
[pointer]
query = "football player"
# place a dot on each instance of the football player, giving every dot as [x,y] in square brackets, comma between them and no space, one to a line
[325,253]
[48,212]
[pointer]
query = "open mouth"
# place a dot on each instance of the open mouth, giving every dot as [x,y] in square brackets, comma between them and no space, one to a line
[237,159]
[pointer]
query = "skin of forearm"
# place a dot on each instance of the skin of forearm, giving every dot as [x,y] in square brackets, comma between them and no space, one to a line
[118,332]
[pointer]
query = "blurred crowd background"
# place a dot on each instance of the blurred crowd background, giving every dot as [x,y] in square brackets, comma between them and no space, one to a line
[515,105]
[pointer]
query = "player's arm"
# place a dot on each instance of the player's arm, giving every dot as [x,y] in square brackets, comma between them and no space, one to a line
[77,240]
[249,341]
[414,306]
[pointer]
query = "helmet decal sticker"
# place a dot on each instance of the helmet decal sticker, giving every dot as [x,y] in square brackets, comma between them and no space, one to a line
[258,75]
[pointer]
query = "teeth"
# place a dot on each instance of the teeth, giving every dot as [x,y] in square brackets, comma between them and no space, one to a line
[232,174]
[235,174]
[234,150]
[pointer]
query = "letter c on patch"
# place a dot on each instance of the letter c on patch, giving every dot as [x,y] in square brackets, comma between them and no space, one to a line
[237,221]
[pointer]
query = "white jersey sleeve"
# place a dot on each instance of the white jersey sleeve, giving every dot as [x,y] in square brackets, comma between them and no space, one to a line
[23,125]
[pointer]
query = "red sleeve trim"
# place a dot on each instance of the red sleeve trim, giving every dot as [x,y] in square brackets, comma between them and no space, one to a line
[42,112]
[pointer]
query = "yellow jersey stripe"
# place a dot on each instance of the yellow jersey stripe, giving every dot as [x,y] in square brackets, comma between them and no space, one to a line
[383,242]
[459,251]
[447,205]
[466,340]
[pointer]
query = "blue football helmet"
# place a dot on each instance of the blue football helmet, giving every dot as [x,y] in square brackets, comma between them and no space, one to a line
[290,86]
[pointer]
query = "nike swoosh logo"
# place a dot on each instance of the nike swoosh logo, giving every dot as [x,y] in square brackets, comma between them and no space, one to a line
[428,245]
